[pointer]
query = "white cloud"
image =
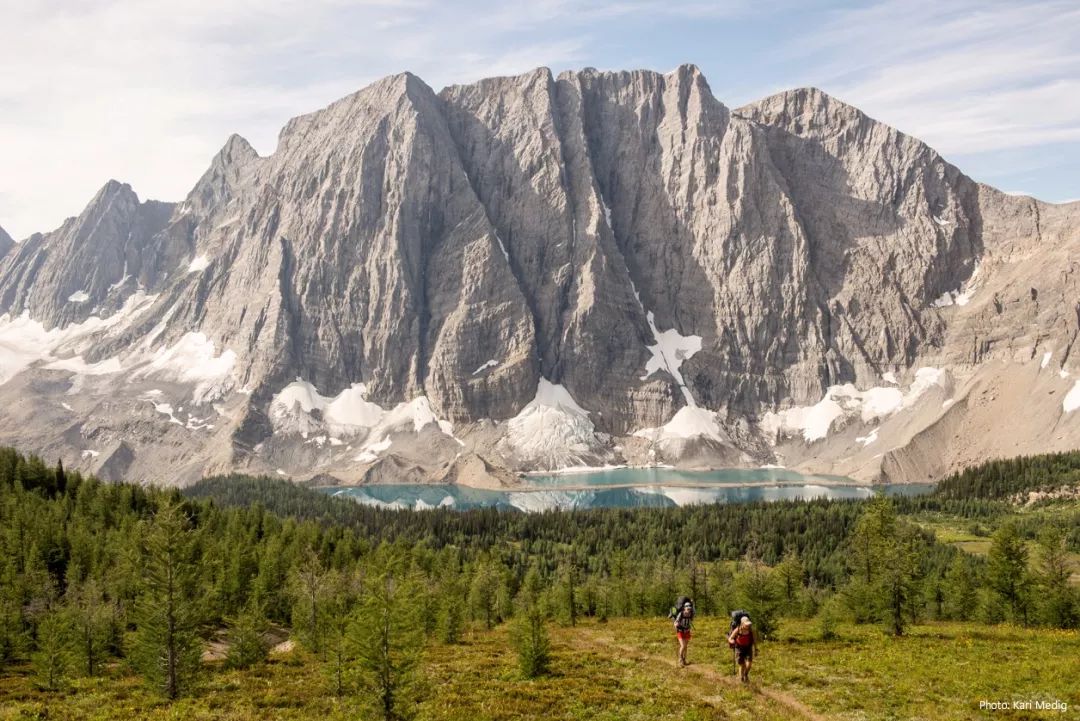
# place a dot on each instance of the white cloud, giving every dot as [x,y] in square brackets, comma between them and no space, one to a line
[146,92]
[966,77]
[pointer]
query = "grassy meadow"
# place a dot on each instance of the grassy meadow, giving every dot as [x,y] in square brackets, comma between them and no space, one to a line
[624,669]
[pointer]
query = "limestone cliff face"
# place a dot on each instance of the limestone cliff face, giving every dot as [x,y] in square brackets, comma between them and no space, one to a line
[90,263]
[534,271]
[6,242]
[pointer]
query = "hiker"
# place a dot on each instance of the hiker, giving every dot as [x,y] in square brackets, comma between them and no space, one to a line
[741,639]
[683,616]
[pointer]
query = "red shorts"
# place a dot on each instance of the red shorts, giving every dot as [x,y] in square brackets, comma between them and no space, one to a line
[683,635]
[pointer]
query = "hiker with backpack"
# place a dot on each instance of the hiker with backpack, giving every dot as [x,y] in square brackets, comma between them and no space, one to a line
[683,616]
[742,642]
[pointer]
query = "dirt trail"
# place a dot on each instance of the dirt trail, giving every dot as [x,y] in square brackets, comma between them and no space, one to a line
[710,673]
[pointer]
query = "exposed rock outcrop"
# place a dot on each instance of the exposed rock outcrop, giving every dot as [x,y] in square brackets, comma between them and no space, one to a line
[536,271]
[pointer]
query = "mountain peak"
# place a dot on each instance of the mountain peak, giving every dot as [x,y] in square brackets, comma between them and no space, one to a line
[112,190]
[238,147]
[111,199]
[383,93]
[6,242]
[686,70]
[801,101]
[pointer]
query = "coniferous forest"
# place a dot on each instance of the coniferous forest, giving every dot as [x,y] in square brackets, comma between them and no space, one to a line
[172,587]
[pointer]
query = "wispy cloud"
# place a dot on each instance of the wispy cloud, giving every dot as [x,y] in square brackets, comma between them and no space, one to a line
[146,92]
[968,76]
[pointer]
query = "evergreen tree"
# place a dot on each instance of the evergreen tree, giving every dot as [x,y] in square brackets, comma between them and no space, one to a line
[1057,600]
[166,646]
[528,633]
[13,636]
[897,585]
[759,594]
[960,591]
[866,544]
[91,620]
[1006,571]
[569,591]
[53,659]
[307,586]
[247,637]
[339,598]
[451,609]
[789,574]
[386,640]
[483,593]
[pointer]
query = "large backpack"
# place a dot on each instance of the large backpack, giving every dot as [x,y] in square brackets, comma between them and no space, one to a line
[676,610]
[736,618]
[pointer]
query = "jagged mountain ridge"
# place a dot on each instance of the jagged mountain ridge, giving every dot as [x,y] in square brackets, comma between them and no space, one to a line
[6,242]
[653,256]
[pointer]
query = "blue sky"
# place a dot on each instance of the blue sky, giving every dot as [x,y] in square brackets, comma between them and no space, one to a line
[146,91]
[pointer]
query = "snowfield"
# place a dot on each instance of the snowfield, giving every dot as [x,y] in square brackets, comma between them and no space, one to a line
[551,431]
[814,422]
[350,413]
[688,422]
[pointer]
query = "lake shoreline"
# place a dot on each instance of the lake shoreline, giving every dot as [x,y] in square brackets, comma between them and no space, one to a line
[624,488]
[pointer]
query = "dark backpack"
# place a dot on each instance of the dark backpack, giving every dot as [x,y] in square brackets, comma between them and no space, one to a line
[736,619]
[676,611]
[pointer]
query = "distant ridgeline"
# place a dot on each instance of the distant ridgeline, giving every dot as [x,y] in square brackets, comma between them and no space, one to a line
[248,551]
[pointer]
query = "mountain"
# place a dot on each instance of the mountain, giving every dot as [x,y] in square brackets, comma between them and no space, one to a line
[537,272]
[6,242]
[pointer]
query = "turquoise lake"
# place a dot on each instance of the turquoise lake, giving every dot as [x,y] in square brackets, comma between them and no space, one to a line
[625,488]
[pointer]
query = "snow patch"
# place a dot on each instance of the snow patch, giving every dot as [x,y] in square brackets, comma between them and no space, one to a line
[502,247]
[487,364]
[349,413]
[24,342]
[123,279]
[194,359]
[890,377]
[814,422]
[669,352]
[688,422]
[1046,358]
[962,295]
[370,452]
[552,430]
[76,364]
[90,453]
[1072,399]
[868,439]
[198,264]
[166,409]
[79,296]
